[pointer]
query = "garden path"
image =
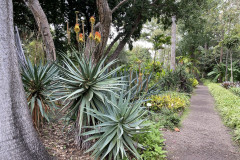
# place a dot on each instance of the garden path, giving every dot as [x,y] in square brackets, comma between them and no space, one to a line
[202,135]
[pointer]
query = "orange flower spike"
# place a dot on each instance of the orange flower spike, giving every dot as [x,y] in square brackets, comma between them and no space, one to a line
[81,37]
[76,28]
[91,35]
[92,20]
[97,37]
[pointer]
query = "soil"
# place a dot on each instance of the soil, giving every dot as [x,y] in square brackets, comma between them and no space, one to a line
[202,135]
[60,143]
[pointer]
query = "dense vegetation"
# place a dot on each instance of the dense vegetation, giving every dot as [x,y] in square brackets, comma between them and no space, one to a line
[228,105]
[81,65]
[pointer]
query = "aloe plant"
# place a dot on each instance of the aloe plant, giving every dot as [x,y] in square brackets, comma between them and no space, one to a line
[39,84]
[85,86]
[118,124]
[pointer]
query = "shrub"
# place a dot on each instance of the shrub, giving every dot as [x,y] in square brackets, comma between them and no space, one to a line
[177,80]
[168,118]
[194,82]
[228,105]
[171,100]
[39,83]
[235,90]
[120,121]
[153,143]
[229,84]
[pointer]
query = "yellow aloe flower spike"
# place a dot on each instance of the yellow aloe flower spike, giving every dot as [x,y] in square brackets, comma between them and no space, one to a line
[91,35]
[97,37]
[81,38]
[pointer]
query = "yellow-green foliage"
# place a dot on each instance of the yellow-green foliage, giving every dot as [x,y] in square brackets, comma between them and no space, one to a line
[194,82]
[171,100]
[229,106]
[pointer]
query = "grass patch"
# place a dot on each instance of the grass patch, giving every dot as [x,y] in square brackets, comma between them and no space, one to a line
[228,104]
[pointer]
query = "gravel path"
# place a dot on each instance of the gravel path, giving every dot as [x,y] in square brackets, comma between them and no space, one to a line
[202,135]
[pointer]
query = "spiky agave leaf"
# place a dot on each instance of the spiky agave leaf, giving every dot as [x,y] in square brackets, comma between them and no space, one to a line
[85,86]
[119,123]
[39,84]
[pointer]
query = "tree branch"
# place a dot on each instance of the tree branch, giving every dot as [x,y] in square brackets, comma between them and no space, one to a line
[119,4]
[112,44]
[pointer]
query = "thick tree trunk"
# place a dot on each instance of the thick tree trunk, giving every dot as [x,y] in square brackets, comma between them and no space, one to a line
[18,138]
[44,27]
[173,45]
[105,17]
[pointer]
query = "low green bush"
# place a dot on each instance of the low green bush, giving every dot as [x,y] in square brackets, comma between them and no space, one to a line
[168,118]
[177,80]
[194,82]
[172,100]
[235,90]
[153,143]
[229,106]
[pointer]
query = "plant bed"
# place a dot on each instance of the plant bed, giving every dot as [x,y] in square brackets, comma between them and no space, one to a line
[228,105]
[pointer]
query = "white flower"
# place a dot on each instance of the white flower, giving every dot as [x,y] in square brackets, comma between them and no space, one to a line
[137,128]
[149,104]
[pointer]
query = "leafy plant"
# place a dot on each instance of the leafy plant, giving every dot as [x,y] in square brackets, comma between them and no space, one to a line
[39,83]
[118,124]
[228,105]
[168,118]
[194,82]
[235,90]
[85,86]
[171,100]
[153,143]
[177,80]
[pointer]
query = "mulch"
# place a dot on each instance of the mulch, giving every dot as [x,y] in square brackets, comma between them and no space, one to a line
[59,142]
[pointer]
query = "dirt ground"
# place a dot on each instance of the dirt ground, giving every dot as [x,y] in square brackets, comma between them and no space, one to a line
[202,135]
[59,142]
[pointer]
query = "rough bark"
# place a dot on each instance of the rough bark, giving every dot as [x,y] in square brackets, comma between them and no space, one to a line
[43,26]
[18,138]
[173,44]
[105,17]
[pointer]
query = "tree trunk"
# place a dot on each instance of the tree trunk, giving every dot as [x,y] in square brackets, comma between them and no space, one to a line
[226,73]
[105,17]
[221,53]
[44,27]
[18,138]
[173,45]
[125,40]
[231,67]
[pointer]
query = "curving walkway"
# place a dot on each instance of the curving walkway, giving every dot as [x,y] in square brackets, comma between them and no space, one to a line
[202,135]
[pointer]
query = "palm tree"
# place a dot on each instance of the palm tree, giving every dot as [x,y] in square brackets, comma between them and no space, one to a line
[18,138]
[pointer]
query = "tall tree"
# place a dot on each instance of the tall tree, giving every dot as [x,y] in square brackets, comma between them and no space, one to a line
[173,44]
[44,28]
[18,138]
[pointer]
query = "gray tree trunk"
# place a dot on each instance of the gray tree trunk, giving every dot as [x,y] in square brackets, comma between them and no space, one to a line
[231,79]
[173,45]
[18,138]
[44,27]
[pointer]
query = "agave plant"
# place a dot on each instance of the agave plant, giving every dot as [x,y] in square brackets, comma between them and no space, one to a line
[137,84]
[85,86]
[118,124]
[39,85]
